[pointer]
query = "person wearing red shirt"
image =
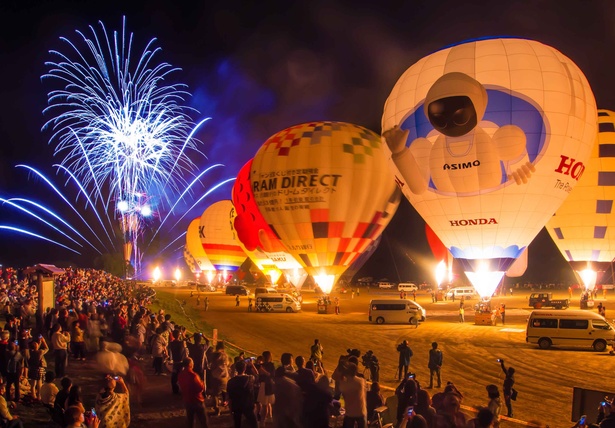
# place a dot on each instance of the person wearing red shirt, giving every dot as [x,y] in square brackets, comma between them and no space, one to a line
[192,388]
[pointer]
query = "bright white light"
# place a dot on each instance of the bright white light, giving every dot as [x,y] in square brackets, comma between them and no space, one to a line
[484,281]
[325,282]
[157,274]
[588,276]
[274,275]
[440,272]
[146,210]
[210,276]
[122,206]
[178,274]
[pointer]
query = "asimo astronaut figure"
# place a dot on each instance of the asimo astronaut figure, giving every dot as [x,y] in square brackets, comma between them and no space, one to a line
[465,158]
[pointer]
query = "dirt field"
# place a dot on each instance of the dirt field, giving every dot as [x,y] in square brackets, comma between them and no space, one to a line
[544,378]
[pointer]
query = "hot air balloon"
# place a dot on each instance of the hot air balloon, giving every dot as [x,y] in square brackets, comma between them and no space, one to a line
[487,138]
[195,248]
[325,191]
[219,239]
[258,240]
[583,228]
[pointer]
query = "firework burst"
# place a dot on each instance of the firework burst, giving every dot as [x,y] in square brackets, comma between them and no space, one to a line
[124,136]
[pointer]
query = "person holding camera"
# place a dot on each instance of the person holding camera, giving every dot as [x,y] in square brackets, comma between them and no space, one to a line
[405,353]
[113,408]
[606,415]
[370,361]
[510,394]
[407,394]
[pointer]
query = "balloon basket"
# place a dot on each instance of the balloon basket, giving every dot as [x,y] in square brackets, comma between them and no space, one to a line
[323,309]
[485,318]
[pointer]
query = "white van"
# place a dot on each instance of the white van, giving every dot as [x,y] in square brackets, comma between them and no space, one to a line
[408,287]
[383,284]
[276,302]
[459,292]
[401,311]
[569,328]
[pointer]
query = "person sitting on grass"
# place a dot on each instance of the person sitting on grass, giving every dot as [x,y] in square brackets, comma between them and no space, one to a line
[12,421]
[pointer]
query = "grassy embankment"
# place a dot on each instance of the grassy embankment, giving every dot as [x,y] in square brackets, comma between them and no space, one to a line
[188,316]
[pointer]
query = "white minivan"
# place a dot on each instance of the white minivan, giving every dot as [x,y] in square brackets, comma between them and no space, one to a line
[400,311]
[276,302]
[459,292]
[547,327]
[408,287]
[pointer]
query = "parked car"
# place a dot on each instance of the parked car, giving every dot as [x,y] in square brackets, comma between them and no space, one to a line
[235,290]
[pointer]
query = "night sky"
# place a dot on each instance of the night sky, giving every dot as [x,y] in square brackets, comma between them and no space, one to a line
[257,69]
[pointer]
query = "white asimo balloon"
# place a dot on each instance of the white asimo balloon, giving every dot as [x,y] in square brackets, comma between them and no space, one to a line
[487,138]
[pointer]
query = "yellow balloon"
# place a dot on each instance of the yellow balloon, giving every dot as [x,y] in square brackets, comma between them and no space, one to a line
[583,228]
[325,189]
[195,249]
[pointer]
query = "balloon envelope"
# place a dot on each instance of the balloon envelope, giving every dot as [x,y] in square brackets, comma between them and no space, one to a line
[218,236]
[325,190]
[583,227]
[498,131]
[195,248]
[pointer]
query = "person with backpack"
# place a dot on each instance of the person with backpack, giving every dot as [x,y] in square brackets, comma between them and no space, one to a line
[435,363]
[14,367]
[240,391]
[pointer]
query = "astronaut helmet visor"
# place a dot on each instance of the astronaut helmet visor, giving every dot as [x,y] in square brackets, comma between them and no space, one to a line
[452,116]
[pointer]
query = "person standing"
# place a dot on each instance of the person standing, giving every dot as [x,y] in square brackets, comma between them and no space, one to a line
[15,362]
[206,303]
[405,353]
[192,389]
[316,351]
[59,343]
[494,404]
[462,314]
[337,306]
[435,364]
[113,408]
[353,388]
[237,300]
[240,390]
[177,352]
[503,313]
[249,304]
[509,383]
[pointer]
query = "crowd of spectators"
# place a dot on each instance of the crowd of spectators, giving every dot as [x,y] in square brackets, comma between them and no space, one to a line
[100,316]
[92,309]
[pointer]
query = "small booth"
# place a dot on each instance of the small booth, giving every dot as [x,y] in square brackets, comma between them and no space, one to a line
[45,285]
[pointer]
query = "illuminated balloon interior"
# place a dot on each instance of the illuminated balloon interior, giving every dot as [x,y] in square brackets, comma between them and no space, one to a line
[588,276]
[484,281]
[440,272]
[325,282]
